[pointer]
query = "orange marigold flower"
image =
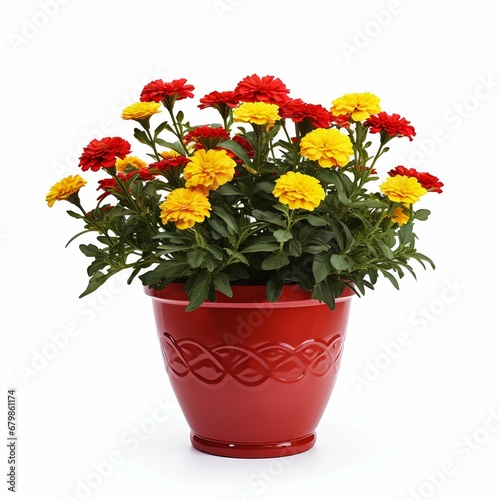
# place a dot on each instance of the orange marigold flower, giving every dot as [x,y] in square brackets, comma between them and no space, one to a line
[401,216]
[330,147]
[403,189]
[259,113]
[130,162]
[426,180]
[299,191]
[185,207]
[64,189]
[141,110]
[359,106]
[209,169]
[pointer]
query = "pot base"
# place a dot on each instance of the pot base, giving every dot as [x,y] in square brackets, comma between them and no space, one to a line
[264,450]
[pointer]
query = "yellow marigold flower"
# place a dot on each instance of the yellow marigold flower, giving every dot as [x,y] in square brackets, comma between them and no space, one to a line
[400,215]
[140,110]
[402,188]
[359,106]
[329,146]
[185,207]
[260,113]
[299,191]
[130,161]
[169,154]
[64,188]
[209,169]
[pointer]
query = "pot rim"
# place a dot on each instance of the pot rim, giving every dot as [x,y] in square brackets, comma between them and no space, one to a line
[245,297]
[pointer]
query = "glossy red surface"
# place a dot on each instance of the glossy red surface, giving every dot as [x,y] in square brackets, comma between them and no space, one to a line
[252,378]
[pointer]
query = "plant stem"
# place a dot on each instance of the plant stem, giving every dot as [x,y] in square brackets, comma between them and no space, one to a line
[178,131]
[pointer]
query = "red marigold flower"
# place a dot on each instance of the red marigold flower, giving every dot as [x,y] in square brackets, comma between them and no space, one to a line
[266,89]
[108,185]
[299,111]
[168,163]
[426,180]
[103,153]
[393,125]
[206,137]
[144,174]
[342,121]
[159,91]
[217,99]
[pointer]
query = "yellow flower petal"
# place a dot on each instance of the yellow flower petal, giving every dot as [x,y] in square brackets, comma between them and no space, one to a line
[130,162]
[400,216]
[330,147]
[140,110]
[185,207]
[359,106]
[64,188]
[259,113]
[209,169]
[402,188]
[299,191]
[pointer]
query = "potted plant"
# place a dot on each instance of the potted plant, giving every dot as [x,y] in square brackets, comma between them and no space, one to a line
[251,236]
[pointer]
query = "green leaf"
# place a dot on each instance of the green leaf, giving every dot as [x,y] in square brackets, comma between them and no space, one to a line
[386,250]
[405,234]
[321,268]
[422,214]
[339,262]
[227,217]
[274,287]
[159,129]
[261,246]
[326,175]
[164,273]
[324,293]
[237,149]
[89,250]
[176,146]
[219,227]
[265,186]
[282,235]
[141,136]
[295,248]
[268,216]
[164,249]
[76,215]
[195,258]
[237,255]
[228,190]
[391,278]
[216,252]
[198,293]
[95,282]
[367,204]
[316,221]
[222,284]
[275,261]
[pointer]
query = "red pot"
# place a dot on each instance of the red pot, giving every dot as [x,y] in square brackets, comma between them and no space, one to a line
[253,378]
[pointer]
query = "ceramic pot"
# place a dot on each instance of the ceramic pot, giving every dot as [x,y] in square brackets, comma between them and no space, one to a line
[252,378]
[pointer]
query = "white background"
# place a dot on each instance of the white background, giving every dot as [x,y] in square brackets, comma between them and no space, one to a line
[417,425]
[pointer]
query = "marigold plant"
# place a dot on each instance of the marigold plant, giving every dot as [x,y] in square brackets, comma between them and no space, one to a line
[281,191]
